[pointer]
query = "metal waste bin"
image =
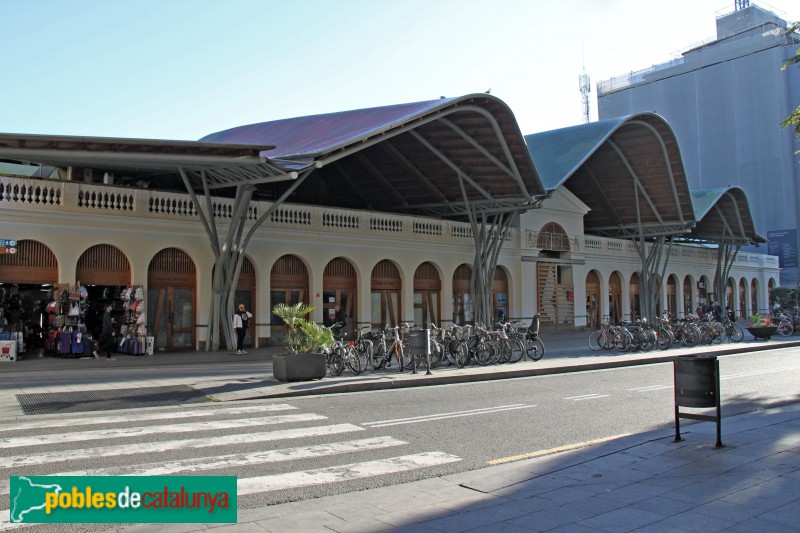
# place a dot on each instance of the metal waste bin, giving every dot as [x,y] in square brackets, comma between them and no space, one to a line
[419,348]
[696,380]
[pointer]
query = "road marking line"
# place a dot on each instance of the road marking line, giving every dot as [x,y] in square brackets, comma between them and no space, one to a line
[650,388]
[208,425]
[197,464]
[163,446]
[587,397]
[86,421]
[337,474]
[552,451]
[443,416]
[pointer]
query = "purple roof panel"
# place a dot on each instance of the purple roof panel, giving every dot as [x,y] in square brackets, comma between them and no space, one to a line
[319,134]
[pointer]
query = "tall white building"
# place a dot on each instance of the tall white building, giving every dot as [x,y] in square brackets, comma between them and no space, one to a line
[725,100]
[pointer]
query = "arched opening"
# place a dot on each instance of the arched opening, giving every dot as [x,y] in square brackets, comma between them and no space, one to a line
[688,296]
[703,293]
[106,273]
[500,295]
[615,298]
[462,296]
[672,295]
[171,300]
[26,279]
[288,286]
[742,312]
[386,286]
[754,297]
[636,310]
[593,299]
[339,283]
[552,237]
[730,290]
[427,295]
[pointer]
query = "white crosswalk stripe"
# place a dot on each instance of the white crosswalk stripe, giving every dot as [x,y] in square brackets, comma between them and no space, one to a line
[102,434]
[29,448]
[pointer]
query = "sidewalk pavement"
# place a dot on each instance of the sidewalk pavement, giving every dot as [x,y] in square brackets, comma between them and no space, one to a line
[643,482]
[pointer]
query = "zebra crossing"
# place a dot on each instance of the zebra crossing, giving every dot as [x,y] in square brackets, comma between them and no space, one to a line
[145,444]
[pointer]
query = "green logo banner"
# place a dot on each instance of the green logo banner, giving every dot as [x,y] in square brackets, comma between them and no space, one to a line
[122,499]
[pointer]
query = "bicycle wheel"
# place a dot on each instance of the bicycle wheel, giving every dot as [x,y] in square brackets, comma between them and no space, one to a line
[785,328]
[406,356]
[622,340]
[665,339]
[517,350]
[378,359]
[462,354]
[691,336]
[483,353]
[336,362]
[364,351]
[534,349]
[596,340]
[735,332]
[505,350]
[351,360]
[437,352]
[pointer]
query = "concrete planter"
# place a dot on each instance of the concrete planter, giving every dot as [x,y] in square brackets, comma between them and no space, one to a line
[762,332]
[298,367]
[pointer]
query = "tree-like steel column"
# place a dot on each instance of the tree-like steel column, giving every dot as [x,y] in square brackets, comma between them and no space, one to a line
[229,252]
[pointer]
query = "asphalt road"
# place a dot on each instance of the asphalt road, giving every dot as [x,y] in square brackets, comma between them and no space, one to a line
[365,440]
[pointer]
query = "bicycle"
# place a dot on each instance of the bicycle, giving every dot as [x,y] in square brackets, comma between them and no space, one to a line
[341,354]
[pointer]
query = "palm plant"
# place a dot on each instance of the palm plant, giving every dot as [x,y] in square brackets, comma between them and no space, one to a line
[302,335]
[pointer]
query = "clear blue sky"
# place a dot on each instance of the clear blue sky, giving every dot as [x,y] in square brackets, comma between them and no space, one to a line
[180,69]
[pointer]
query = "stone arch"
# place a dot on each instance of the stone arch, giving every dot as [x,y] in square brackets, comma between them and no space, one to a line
[386,286]
[339,289]
[427,295]
[615,297]
[172,299]
[462,295]
[672,295]
[34,263]
[552,237]
[103,264]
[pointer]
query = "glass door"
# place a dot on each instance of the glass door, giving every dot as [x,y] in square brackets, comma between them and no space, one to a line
[171,316]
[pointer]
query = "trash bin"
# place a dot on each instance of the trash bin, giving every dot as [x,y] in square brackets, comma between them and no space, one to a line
[696,379]
[418,345]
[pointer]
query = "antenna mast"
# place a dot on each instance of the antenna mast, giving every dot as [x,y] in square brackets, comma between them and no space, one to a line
[585,88]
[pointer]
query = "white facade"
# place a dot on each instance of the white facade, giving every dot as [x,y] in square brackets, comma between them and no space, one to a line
[70,217]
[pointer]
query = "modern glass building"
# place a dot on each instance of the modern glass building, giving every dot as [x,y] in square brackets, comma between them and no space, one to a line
[725,100]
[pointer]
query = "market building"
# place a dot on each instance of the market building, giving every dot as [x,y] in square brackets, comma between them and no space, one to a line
[383,212]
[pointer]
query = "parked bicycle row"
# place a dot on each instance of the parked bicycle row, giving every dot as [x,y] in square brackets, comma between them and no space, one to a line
[664,333]
[409,347]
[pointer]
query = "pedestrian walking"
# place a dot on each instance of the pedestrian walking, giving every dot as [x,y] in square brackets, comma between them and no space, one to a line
[106,335]
[241,320]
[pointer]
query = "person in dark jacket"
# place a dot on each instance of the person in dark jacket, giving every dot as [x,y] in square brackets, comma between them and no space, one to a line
[106,335]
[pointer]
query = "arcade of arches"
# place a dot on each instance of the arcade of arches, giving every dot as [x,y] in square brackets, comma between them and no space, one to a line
[691,295]
[172,277]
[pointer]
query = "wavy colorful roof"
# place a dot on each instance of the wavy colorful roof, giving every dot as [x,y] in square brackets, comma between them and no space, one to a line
[627,170]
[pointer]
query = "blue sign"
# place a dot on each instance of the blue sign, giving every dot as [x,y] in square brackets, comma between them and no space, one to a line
[783,243]
[8,243]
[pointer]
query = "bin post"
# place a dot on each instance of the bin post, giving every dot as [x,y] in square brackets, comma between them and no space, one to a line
[428,349]
[696,382]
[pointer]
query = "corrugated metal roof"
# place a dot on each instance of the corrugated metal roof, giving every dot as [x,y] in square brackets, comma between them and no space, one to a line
[319,134]
[558,153]
[627,170]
